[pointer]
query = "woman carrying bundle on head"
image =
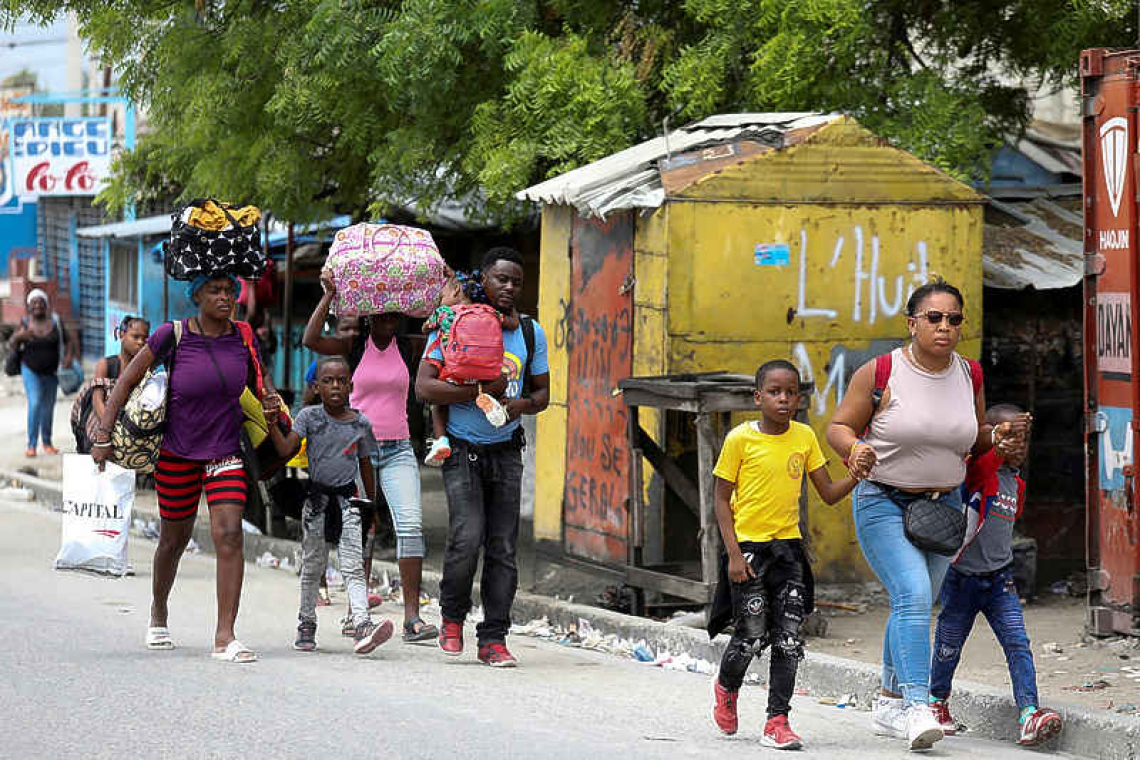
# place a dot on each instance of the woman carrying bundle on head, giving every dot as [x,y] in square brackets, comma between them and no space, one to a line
[380,380]
[210,361]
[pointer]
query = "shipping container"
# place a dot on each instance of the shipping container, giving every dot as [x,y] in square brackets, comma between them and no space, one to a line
[1110,96]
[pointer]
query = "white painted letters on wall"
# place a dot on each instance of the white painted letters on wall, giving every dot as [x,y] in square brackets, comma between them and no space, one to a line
[872,282]
[836,378]
[801,308]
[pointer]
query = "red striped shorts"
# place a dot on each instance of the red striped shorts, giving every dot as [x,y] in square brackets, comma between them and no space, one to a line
[180,482]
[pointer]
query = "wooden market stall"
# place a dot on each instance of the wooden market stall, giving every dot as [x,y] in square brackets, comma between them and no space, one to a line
[711,398]
[726,243]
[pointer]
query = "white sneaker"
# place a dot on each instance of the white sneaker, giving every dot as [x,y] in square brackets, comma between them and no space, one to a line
[440,451]
[888,717]
[922,728]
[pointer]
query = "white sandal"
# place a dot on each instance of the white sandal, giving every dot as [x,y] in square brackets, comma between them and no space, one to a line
[495,412]
[158,637]
[235,651]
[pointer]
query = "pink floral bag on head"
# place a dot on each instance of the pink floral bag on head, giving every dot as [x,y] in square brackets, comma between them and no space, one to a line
[385,268]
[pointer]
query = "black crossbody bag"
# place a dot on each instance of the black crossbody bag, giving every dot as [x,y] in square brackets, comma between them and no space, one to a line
[930,524]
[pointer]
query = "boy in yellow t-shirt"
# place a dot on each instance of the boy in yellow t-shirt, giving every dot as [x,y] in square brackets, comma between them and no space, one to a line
[759,476]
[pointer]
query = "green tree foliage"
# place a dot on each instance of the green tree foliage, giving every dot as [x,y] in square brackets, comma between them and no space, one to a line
[24,78]
[312,107]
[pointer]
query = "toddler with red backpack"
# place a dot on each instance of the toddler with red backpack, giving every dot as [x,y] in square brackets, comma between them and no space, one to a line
[471,341]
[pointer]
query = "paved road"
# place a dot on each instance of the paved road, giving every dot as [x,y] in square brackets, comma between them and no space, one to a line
[78,682]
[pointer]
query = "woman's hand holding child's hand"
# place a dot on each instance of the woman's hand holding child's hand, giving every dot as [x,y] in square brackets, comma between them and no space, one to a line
[271,406]
[860,460]
[1011,438]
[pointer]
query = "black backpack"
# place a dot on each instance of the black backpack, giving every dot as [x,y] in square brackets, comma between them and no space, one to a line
[527,325]
[83,408]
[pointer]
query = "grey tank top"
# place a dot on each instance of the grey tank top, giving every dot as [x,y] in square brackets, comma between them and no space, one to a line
[926,427]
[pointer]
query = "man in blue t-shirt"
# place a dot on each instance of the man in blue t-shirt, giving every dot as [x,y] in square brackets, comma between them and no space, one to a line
[483,475]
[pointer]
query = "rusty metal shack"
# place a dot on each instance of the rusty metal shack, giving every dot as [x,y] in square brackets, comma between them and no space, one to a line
[731,241]
[1034,269]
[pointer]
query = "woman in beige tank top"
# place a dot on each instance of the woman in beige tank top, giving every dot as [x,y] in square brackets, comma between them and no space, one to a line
[915,442]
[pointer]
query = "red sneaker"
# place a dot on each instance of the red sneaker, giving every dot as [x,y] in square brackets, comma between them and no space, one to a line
[778,734]
[1040,727]
[724,708]
[945,720]
[496,655]
[451,637]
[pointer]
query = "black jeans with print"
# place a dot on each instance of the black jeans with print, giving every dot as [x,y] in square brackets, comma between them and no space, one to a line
[768,611]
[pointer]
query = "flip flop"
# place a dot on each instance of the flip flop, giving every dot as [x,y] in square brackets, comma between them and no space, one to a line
[235,651]
[426,633]
[158,637]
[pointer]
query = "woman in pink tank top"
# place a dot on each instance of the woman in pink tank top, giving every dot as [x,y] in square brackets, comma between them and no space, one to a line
[380,383]
[913,443]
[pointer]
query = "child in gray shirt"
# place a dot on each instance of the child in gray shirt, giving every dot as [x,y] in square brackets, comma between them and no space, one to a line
[980,580]
[339,443]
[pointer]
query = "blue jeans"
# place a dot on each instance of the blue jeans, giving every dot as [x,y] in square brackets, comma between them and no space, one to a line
[40,390]
[995,596]
[398,477]
[912,578]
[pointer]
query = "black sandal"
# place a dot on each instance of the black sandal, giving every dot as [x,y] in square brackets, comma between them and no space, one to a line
[425,632]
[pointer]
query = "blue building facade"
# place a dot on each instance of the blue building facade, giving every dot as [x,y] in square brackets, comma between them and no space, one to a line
[132,281]
[17,233]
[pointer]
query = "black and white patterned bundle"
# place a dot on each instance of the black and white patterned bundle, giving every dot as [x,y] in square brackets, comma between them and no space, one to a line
[193,251]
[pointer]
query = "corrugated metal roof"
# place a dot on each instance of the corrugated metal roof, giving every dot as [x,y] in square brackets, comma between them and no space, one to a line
[150,225]
[630,178]
[1054,147]
[1034,243]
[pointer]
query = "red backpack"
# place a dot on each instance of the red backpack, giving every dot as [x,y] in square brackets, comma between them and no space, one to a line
[474,349]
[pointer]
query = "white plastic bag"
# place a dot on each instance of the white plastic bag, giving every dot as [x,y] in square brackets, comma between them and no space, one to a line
[96,516]
[153,394]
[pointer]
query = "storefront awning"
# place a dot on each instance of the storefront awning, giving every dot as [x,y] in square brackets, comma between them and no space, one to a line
[150,225]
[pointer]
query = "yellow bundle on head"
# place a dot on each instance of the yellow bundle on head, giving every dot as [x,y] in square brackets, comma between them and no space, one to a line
[211,215]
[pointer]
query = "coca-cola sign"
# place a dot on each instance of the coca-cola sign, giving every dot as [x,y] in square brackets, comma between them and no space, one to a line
[60,156]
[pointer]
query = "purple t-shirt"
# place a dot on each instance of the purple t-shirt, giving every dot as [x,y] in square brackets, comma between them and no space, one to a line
[203,418]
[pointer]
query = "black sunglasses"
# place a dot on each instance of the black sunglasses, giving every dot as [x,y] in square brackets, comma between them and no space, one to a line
[935,317]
